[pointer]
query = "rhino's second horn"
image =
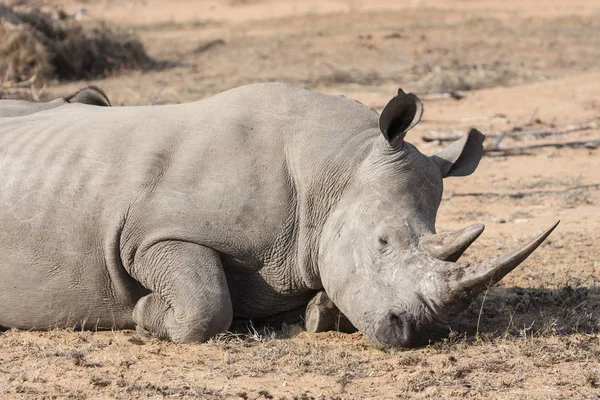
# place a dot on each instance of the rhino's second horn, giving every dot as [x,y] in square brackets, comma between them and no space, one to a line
[449,246]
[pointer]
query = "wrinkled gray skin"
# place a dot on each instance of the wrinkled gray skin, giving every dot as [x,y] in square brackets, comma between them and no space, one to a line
[91,95]
[176,219]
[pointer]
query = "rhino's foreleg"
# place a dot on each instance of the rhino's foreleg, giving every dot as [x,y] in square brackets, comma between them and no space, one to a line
[322,315]
[190,300]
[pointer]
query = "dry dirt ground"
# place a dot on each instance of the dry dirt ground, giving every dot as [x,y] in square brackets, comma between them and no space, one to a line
[522,66]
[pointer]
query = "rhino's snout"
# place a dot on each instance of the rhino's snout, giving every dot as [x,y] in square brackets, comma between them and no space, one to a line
[401,330]
[392,330]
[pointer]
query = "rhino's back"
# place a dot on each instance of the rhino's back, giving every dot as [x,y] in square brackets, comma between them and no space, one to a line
[17,108]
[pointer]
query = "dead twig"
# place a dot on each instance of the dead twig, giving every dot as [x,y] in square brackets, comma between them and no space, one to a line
[522,150]
[209,45]
[515,128]
[532,117]
[499,139]
[519,195]
[481,309]
[455,94]
[25,84]
[519,133]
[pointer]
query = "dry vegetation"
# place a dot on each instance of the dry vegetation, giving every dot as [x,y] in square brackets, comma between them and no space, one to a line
[517,67]
[39,44]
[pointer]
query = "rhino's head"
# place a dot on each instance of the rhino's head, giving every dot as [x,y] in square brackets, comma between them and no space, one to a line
[381,261]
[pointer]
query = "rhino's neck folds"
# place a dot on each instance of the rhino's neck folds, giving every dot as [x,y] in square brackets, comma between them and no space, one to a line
[318,187]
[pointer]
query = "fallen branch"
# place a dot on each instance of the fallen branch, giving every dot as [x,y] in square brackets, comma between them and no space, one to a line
[521,150]
[209,45]
[519,195]
[519,132]
[515,128]
[455,94]
[23,84]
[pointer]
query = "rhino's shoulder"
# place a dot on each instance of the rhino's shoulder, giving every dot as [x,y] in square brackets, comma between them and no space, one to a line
[287,100]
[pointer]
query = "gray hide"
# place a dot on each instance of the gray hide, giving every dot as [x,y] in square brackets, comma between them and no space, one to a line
[91,95]
[176,219]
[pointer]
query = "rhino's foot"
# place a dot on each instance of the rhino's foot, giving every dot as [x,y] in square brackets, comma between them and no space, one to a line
[322,315]
[190,300]
[143,332]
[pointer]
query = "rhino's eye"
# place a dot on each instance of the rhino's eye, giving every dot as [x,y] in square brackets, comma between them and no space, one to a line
[382,240]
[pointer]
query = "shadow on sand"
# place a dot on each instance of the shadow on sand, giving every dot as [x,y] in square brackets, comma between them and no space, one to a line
[500,312]
[537,311]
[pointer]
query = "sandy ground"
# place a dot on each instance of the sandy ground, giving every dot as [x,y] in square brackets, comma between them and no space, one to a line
[523,66]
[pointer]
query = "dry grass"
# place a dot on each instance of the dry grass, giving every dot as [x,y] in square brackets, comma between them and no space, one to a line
[525,334]
[37,45]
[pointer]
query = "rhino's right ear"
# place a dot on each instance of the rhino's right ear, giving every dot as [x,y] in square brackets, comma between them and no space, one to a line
[461,157]
[398,116]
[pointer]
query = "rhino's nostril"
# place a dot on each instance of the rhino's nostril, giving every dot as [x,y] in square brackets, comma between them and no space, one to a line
[395,320]
[399,330]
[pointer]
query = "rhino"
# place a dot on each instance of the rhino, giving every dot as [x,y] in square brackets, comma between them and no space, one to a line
[177,219]
[91,95]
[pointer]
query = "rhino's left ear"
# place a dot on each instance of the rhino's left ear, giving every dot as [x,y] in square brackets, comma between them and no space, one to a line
[461,157]
[398,116]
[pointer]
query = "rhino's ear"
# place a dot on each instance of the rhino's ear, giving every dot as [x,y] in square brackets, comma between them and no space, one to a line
[399,115]
[461,157]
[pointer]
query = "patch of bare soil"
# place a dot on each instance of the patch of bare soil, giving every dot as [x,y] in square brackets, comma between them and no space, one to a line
[368,52]
[525,73]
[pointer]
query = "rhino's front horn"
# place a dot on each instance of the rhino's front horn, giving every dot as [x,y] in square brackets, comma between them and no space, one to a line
[449,246]
[478,276]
